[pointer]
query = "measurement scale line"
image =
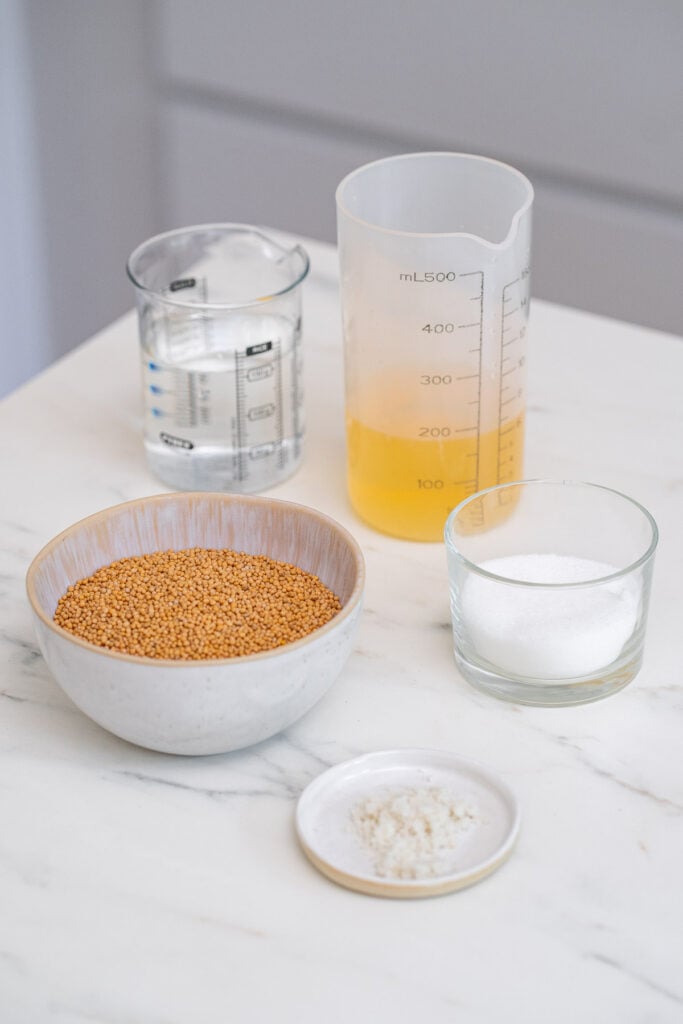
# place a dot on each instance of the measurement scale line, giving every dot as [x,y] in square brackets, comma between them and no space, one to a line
[470,376]
[504,299]
[511,312]
[206,319]
[296,390]
[477,469]
[462,327]
[510,341]
[280,411]
[239,408]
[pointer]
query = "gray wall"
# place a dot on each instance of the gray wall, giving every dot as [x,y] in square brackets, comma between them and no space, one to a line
[139,116]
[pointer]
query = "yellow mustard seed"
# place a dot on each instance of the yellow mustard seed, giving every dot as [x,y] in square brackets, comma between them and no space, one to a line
[198,603]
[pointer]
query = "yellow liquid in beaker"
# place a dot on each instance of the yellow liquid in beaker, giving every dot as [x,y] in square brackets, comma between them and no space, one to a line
[407,487]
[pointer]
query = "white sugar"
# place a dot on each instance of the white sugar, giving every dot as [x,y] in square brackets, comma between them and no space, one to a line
[544,632]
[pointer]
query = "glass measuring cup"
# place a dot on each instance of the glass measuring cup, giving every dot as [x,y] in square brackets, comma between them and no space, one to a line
[435,256]
[549,605]
[219,309]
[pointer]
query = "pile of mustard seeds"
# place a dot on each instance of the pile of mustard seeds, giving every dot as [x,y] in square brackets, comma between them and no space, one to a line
[195,604]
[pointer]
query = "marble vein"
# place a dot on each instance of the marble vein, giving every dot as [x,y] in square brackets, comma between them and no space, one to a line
[612,777]
[636,976]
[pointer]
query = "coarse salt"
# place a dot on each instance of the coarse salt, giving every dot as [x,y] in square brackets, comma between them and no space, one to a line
[550,633]
[412,832]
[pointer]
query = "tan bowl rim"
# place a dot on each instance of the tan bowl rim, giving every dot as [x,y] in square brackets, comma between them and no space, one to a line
[249,499]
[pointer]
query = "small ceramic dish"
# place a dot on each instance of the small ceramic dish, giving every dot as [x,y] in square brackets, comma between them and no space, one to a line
[210,706]
[327,835]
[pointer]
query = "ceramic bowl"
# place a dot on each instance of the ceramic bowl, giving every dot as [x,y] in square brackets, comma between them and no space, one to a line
[210,706]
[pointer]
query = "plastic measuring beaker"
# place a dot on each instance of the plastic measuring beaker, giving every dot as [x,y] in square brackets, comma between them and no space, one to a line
[219,309]
[434,253]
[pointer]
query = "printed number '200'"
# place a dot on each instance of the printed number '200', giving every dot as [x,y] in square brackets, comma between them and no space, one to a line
[434,432]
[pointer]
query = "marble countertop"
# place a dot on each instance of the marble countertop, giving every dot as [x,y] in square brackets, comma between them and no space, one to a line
[140,888]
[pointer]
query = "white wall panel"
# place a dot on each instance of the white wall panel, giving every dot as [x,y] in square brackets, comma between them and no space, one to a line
[95,151]
[226,167]
[590,89]
[608,257]
[25,336]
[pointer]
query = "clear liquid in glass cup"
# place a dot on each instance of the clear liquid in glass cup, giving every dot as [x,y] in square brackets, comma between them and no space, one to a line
[220,341]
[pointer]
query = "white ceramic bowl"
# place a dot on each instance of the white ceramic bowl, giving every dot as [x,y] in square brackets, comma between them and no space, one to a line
[198,707]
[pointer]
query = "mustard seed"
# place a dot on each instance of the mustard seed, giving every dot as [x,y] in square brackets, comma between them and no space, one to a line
[198,603]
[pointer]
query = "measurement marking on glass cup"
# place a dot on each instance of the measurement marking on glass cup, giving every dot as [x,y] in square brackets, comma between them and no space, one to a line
[429,276]
[465,483]
[436,379]
[260,451]
[261,412]
[260,373]
[440,327]
[253,415]
[296,389]
[512,305]
[443,445]
[280,427]
[239,409]
[479,371]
